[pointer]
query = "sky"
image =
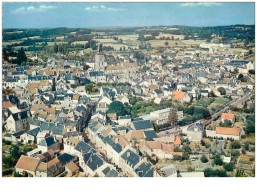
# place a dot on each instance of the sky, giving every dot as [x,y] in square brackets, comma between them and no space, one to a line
[84,15]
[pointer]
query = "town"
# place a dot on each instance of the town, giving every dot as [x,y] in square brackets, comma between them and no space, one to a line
[167,101]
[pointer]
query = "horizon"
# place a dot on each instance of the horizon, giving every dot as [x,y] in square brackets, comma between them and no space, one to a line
[105,27]
[124,14]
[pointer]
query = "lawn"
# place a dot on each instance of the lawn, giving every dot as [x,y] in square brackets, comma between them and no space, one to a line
[205,102]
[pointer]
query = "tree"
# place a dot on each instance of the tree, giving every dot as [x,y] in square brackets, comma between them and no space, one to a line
[204,159]
[218,160]
[175,68]
[240,76]
[235,145]
[227,123]
[250,124]
[139,55]
[251,71]
[173,117]
[228,166]
[166,43]
[211,94]
[222,91]
[118,108]
[55,47]
[21,56]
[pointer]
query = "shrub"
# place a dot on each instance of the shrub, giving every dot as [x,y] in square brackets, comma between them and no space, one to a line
[204,159]
[228,166]
[235,145]
[7,172]
[209,172]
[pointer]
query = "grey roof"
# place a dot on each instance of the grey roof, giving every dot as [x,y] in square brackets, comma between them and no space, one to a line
[71,134]
[143,124]
[34,122]
[117,147]
[130,158]
[112,173]
[20,115]
[194,126]
[34,132]
[65,158]
[48,141]
[125,117]
[96,73]
[158,91]
[92,160]
[84,147]
[145,170]
[150,134]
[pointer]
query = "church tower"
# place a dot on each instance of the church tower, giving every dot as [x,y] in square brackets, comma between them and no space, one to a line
[100,62]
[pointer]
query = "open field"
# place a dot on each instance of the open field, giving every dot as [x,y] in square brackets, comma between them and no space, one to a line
[160,43]
[180,37]
[59,38]
[10,43]
[128,37]
[52,43]
[79,42]
[34,37]
[116,46]
[106,40]
[14,32]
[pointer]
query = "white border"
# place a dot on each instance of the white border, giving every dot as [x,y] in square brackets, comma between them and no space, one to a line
[135,186]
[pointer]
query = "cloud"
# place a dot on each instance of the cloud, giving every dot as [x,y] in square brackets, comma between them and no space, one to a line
[45,7]
[18,10]
[102,8]
[199,4]
[29,9]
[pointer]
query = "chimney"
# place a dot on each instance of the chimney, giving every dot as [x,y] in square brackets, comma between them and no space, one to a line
[19,115]
[128,154]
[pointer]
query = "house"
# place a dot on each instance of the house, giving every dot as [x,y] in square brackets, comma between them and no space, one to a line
[72,169]
[182,96]
[124,120]
[145,169]
[195,132]
[103,104]
[142,125]
[169,171]
[228,116]
[129,161]
[108,171]
[225,133]
[90,163]
[112,149]
[18,121]
[27,164]
[30,136]
[48,143]
[54,167]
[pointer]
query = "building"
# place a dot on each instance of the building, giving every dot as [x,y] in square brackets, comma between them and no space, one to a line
[225,133]
[195,132]
[27,164]
[228,116]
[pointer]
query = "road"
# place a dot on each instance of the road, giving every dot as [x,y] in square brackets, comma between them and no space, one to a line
[219,145]
[214,116]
